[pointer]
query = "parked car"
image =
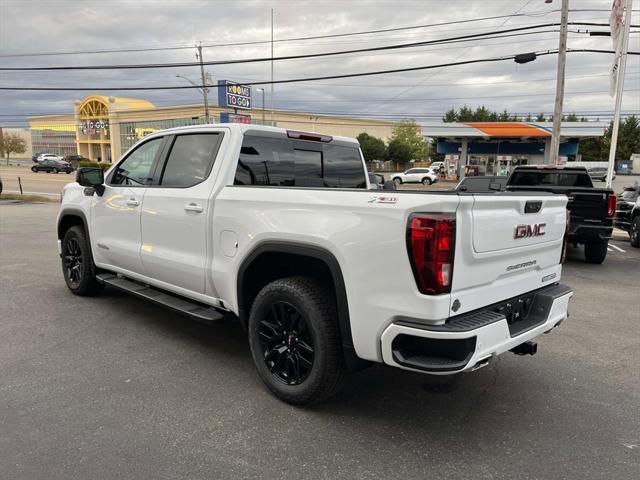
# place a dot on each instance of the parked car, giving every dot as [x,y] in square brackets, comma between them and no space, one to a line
[599,173]
[415,175]
[48,156]
[482,184]
[75,159]
[591,209]
[628,213]
[292,263]
[52,166]
[437,167]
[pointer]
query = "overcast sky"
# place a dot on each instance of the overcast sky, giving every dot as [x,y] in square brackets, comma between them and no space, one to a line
[36,26]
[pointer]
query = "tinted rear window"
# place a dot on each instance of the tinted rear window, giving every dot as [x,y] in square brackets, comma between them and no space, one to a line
[554,179]
[285,162]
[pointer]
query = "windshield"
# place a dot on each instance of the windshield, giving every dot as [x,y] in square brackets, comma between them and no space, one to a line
[552,178]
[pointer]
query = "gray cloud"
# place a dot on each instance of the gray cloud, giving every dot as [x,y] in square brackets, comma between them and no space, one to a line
[43,26]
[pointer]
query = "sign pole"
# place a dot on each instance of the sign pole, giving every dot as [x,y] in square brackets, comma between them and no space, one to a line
[619,89]
[562,61]
[272,67]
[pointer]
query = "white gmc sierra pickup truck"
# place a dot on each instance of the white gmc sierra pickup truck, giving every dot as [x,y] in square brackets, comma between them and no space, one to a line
[279,229]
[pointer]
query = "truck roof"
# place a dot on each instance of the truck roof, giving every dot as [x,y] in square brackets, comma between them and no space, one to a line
[564,168]
[245,127]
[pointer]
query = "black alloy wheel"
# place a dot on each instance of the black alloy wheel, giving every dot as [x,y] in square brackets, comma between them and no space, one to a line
[287,343]
[73,262]
[294,340]
[634,232]
[78,268]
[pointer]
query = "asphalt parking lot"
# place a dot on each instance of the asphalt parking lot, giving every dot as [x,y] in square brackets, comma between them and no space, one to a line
[112,387]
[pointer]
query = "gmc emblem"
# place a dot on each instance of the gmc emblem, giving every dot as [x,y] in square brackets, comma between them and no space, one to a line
[526,231]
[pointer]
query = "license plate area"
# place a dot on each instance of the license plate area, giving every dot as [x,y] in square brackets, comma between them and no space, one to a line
[524,312]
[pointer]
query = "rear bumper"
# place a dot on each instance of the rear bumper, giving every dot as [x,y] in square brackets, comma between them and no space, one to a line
[470,341]
[588,233]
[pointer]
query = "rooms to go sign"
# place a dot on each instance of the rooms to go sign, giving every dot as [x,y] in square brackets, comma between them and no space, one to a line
[232,95]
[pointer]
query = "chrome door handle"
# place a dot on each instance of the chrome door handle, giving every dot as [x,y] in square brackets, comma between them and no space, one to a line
[132,202]
[193,207]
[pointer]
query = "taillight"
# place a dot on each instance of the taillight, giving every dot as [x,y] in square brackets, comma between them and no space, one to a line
[611,205]
[431,242]
[565,240]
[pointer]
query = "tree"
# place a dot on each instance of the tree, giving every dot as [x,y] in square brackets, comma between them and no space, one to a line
[12,143]
[528,118]
[597,148]
[373,148]
[450,116]
[399,151]
[410,133]
[540,117]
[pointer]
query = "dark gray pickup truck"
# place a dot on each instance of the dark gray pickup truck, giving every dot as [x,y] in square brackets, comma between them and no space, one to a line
[591,209]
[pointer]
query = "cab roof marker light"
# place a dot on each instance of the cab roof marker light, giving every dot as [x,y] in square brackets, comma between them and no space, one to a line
[314,137]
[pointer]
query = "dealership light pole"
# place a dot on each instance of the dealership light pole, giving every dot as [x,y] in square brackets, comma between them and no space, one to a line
[271,100]
[204,82]
[562,61]
[202,91]
[261,90]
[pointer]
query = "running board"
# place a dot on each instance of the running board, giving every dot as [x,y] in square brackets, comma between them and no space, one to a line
[196,311]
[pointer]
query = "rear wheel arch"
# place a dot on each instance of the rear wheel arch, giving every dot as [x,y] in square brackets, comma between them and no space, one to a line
[270,261]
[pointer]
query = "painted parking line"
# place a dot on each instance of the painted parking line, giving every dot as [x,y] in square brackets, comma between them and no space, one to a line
[617,248]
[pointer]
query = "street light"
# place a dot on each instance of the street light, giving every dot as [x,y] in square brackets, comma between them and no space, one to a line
[262,91]
[203,91]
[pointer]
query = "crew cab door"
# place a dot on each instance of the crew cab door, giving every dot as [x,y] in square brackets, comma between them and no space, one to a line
[115,216]
[177,209]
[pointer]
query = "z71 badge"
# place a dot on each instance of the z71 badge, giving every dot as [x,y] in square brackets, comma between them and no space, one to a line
[378,199]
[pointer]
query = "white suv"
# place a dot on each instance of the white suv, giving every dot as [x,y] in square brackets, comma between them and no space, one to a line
[424,176]
[48,156]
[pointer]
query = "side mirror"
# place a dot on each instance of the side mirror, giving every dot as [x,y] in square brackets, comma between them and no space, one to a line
[389,185]
[92,178]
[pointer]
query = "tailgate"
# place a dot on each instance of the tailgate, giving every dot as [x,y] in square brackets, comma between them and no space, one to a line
[588,204]
[507,244]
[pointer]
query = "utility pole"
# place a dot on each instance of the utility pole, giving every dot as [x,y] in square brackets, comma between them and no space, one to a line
[205,89]
[272,67]
[557,109]
[619,90]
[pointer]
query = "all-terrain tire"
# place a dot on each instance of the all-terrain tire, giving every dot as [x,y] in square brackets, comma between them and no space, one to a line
[596,252]
[312,307]
[78,268]
[634,232]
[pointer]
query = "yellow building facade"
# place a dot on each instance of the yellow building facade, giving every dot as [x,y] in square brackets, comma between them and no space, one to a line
[102,128]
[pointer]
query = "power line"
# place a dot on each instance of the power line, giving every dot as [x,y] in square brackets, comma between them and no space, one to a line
[294,57]
[312,79]
[282,40]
